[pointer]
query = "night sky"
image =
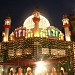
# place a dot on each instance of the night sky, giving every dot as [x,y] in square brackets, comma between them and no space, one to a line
[19,10]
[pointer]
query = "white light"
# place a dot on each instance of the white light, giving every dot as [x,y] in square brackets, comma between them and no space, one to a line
[28,23]
[40,68]
[2,69]
[19,32]
[11,69]
[68,38]
[40,63]
[65,21]
[7,22]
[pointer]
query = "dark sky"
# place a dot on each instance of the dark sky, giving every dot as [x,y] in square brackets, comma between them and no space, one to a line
[19,10]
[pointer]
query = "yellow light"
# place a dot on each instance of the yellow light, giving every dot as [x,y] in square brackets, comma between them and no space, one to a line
[28,35]
[2,69]
[11,38]
[44,34]
[7,22]
[31,34]
[36,35]
[4,38]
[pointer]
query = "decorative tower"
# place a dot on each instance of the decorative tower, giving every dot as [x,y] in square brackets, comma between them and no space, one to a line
[36,20]
[66,26]
[7,26]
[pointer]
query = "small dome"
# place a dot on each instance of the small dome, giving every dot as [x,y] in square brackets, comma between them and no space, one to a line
[28,23]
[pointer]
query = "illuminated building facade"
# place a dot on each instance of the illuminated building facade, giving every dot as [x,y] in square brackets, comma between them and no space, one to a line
[36,40]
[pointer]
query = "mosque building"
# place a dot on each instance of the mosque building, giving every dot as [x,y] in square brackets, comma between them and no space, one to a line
[37,41]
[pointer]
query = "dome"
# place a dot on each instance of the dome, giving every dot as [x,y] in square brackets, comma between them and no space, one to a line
[28,23]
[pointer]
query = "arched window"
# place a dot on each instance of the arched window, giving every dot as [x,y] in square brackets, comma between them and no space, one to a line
[52,32]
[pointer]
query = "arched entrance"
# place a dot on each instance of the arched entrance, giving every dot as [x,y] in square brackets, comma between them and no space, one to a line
[10,71]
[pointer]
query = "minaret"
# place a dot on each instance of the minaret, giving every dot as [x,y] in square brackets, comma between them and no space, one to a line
[36,20]
[66,26]
[7,26]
